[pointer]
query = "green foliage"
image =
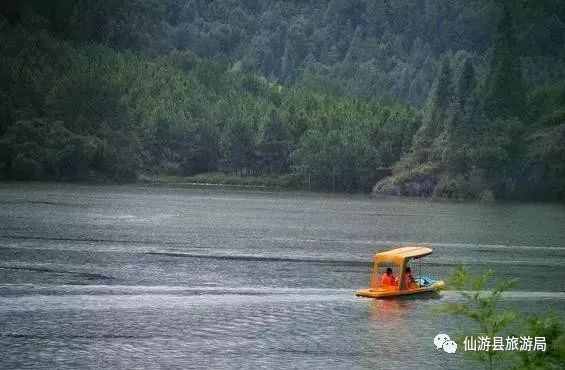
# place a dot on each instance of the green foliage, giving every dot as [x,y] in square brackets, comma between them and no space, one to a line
[181,115]
[36,149]
[428,141]
[310,89]
[547,155]
[550,327]
[477,135]
[472,185]
[339,160]
[362,47]
[350,141]
[481,307]
[274,146]
[238,146]
[480,302]
[505,89]
[460,130]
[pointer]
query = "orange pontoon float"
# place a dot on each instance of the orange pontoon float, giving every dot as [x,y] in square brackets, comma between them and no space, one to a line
[397,259]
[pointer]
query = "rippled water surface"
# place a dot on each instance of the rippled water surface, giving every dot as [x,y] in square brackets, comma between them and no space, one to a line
[132,277]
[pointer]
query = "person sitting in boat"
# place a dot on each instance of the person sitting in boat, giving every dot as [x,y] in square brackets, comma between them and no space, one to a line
[408,282]
[388,280]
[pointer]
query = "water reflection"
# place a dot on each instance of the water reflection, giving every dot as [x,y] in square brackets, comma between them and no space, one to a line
[396,309]
[387,310]
[389,317]
[397,316]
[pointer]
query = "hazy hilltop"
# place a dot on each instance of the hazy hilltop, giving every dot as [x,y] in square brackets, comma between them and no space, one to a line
[461,98]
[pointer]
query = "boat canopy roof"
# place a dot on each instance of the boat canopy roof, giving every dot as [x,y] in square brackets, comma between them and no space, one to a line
[402,253]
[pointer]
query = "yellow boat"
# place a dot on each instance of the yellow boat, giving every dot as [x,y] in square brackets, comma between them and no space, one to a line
[396,260]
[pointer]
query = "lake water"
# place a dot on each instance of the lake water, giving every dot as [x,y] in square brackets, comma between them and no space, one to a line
[148,277]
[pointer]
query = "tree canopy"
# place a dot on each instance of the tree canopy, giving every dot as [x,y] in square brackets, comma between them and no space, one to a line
[461,98]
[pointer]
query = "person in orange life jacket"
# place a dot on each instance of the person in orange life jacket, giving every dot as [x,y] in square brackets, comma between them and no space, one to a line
[408,282]
[388,280]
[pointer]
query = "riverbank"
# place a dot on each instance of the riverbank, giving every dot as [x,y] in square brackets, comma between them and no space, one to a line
[385,188]
[274,182]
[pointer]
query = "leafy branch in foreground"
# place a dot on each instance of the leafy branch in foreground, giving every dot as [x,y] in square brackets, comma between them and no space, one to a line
[481,304]
[554,358]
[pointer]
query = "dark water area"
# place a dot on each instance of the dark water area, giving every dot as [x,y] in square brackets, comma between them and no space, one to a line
[141,277]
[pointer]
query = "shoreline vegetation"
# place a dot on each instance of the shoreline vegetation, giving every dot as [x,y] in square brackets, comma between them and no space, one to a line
[221,181]
[322,95]
[217,179]
[482,307]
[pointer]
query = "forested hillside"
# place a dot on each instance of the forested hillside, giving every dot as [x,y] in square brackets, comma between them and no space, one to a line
[462,98]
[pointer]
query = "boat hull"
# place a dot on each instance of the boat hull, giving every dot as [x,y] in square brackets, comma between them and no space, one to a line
[388,293]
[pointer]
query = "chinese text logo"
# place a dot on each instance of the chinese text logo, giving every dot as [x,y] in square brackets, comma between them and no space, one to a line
[522,344]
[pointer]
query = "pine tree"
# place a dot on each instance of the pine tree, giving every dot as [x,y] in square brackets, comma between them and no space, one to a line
[274,145]
[239,146]
[505,96]
[429,136]
[460,121]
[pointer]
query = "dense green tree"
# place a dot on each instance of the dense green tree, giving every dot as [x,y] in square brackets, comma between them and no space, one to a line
[461,131]
[35,149]
[239,147]
[274,145]
[340,35]
[504,88]
[115,89]
[429,140]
